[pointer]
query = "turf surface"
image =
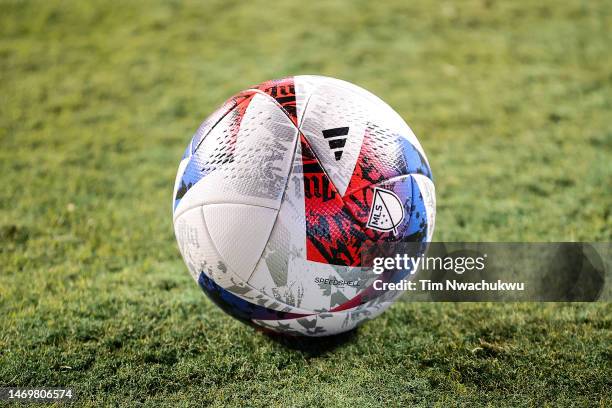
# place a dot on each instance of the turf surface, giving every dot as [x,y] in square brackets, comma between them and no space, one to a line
[511,101]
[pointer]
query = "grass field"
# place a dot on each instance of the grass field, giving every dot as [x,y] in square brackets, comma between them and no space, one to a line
[511,101]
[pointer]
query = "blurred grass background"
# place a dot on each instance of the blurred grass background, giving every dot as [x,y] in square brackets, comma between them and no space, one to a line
[511,101]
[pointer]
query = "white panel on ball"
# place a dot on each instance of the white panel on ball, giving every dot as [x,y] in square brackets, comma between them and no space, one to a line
[334,124]
[428,190]
[262,154]
[240,233]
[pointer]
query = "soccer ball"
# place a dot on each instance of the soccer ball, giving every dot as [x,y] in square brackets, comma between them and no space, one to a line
[280,189]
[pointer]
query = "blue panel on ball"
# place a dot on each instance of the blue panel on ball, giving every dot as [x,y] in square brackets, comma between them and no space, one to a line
[416,230]
[193,173]
[413,159]
[238,307]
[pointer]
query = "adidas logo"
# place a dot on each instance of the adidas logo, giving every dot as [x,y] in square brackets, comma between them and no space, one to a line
[337,139]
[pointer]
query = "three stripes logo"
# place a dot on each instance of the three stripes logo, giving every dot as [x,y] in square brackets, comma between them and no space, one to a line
[337,139]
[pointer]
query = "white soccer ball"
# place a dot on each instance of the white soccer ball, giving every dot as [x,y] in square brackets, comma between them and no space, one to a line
[280,189]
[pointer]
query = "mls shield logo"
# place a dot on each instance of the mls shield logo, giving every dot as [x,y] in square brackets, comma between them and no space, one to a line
[387,211]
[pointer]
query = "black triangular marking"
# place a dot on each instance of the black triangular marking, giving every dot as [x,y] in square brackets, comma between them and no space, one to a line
[337,143]
[341,131]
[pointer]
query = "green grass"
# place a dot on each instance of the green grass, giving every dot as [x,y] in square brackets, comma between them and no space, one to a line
[512,102]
